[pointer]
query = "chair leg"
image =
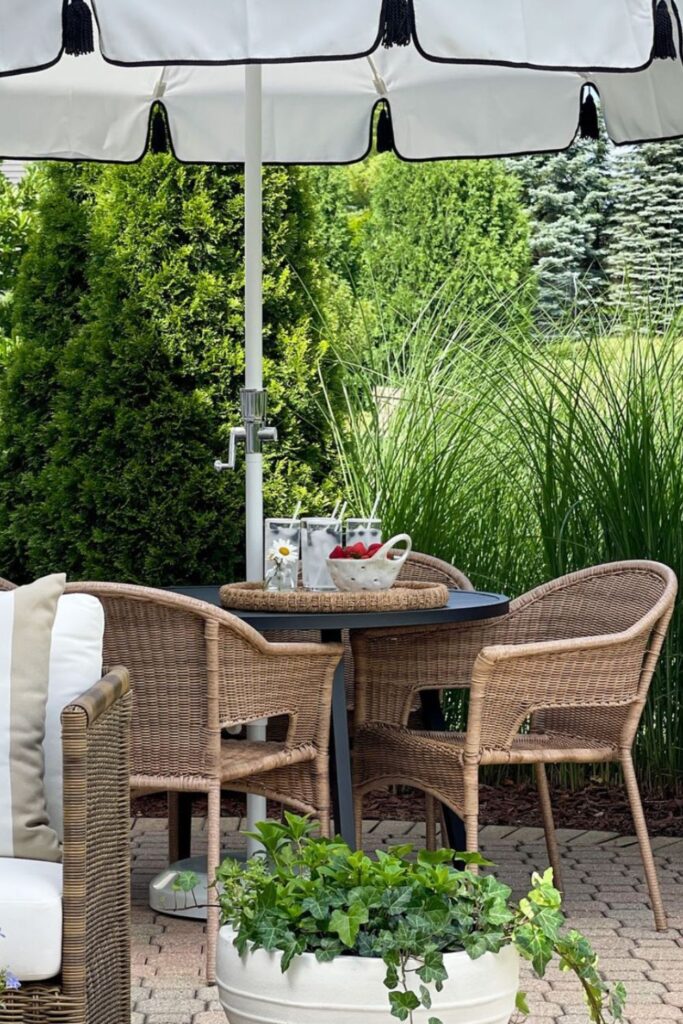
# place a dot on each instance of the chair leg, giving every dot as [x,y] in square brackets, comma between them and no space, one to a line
[358,815]
[179,826]
[430,822]
[635,801]
[212,861]
[549,824]
[471,809]
[324,818]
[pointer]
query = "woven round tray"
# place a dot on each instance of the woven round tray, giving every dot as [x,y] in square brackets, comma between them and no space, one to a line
[402,597]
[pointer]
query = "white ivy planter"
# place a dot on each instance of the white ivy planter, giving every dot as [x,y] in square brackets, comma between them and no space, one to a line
[350,990]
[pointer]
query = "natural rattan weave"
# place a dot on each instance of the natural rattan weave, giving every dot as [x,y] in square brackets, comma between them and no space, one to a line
[417,568]
[94,986]
[574,658]
[196,670]
[401,597]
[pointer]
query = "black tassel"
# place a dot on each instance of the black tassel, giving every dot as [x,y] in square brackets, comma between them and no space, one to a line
[665,47]
[77,28]
[385,132]
[589,124]
[158,136]
[397,23]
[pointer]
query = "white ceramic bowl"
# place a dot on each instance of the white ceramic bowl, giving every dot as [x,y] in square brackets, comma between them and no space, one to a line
[377,573]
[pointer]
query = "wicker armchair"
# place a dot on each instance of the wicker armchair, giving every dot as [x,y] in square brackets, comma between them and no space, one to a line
[197,670]
[94,985]
[575,658]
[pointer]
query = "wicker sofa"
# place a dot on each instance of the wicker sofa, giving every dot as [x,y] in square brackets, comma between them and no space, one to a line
[93,985]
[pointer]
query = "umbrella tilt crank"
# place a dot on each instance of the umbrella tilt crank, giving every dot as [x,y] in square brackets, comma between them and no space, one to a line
[254,433]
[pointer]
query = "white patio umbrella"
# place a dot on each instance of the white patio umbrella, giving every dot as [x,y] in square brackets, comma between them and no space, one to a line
[321,111]
[581,35]
[466,80]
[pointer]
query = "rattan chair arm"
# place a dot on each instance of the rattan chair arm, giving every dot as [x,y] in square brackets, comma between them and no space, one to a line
[513,681]
[493,653]
[96,854]
[96,701]
[294,680]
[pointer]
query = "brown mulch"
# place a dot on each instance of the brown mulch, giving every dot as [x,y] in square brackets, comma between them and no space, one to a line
[596,807]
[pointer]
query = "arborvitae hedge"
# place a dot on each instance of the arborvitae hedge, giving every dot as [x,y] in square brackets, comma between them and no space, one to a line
[456,230]
[127,371]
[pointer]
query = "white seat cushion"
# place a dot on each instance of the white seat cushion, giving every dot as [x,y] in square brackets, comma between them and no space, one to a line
[75,666]
[31,915]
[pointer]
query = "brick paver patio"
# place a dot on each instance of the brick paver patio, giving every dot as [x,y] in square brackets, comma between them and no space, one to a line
[606,899]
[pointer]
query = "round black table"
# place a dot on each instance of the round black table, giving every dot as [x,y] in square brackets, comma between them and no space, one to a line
[463,606]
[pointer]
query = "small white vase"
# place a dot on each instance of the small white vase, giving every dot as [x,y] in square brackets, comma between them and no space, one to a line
[350,990]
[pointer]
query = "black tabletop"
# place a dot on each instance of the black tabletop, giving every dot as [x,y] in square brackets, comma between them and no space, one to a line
[463,606]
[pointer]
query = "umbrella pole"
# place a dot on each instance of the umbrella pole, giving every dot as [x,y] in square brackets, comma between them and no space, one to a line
[253,299]
[253,319]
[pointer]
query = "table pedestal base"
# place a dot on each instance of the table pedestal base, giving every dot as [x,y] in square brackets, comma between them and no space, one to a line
[164,899]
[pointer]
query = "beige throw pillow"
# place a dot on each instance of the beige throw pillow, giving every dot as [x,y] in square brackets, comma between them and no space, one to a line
[26,618]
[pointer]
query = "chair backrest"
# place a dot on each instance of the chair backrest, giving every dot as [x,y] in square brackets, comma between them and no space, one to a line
[6,585]
[598,601]
[419,568]
[161,639]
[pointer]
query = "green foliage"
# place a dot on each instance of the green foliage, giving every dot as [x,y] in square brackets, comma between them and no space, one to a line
[403,232]
[646,238]
[569,197]
[127,369]
[17,204]
[523,459]
[316,896]
[45,314]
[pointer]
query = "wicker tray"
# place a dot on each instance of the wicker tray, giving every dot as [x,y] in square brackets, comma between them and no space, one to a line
[401,597]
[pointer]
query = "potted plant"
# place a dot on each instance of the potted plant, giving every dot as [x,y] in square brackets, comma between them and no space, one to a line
[314,933]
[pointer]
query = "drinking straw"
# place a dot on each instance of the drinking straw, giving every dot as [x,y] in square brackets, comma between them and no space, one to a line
[340,518]
[297,510]
[374,510]
[336,509]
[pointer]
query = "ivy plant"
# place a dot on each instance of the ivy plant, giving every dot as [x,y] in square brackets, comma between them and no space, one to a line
[312,895]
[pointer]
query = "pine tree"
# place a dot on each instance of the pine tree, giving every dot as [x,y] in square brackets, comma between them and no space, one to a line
[646,238]
[568,199]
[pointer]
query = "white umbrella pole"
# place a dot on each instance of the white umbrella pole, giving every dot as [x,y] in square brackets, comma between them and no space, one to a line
[253,313]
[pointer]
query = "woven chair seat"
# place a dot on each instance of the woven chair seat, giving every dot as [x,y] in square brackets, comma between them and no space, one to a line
[527,748]
[240,759]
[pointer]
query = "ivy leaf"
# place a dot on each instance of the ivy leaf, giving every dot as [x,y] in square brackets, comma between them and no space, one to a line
[535,946]
[316,907]
[391,980]
[403,1004]
[185,881]
[618,1001]
[425,997]
[475,859]
[432,969]
[347,924]
[521,1004]
[476,945]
